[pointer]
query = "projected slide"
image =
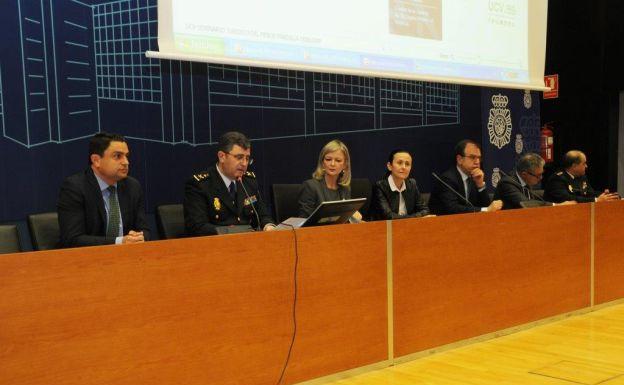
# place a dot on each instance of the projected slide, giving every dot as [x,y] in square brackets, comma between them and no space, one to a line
[416,18]
[483,39]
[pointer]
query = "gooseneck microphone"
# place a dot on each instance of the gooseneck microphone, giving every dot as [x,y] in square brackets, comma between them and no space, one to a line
[531,193]
[452,189]
[253,208]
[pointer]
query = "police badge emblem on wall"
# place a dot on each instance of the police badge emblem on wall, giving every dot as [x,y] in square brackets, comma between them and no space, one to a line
[496,176]
[519,144]
[528,101]
[499,122]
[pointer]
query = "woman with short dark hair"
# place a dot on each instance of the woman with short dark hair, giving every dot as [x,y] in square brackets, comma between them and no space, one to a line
[397,195]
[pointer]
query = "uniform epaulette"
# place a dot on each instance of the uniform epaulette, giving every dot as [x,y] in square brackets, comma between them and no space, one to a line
[250,174]
[560,173]
[201,176]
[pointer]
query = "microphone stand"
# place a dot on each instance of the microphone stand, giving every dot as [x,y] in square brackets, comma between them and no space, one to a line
[452,189]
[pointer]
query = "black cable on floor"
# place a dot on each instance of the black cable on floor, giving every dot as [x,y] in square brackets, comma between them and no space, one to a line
[294,308]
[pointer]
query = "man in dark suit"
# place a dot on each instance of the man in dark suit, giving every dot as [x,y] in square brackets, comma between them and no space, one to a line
[517,187]
[102,204]
[571,182]
[465,179]
[226,194]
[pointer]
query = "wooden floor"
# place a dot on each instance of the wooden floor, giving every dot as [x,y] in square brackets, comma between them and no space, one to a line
[583,349]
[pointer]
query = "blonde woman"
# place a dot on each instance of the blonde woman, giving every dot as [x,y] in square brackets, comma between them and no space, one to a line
[330,181]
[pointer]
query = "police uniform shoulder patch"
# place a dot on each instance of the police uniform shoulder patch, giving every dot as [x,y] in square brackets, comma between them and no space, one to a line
[201,176]
[250,174]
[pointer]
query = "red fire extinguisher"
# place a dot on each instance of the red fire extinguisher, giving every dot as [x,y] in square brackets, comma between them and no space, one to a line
[547,143]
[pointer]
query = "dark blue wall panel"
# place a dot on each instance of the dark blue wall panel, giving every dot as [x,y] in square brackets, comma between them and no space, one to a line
[69,69]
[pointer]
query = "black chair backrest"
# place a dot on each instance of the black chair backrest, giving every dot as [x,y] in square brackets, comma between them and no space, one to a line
[170,221]
[285,198]
[362,188]
[425,198]
[9,239]
[44,231]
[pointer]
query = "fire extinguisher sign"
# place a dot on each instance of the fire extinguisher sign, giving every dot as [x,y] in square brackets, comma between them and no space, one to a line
[551,81]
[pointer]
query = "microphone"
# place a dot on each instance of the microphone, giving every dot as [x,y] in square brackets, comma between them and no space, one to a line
[452,189]
[531,193]
[253,208]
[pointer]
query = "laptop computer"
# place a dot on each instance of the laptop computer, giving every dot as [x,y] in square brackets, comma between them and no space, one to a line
[327,213]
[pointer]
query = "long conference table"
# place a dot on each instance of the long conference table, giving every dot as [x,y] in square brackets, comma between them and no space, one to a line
[219,310]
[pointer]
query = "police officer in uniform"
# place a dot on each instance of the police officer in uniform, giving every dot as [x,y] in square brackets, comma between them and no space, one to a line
[571,182]
[226,194]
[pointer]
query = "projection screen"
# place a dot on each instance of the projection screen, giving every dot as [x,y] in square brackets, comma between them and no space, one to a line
[497,43]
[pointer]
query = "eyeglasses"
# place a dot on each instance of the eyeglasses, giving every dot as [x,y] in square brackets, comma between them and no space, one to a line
[242,157]
[536,176]
[473,157]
